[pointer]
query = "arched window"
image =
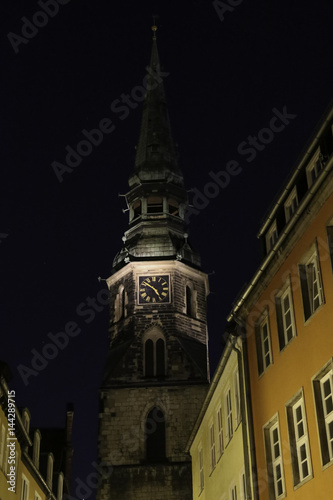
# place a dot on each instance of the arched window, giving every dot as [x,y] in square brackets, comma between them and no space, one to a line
[120,303]
[190,301]
[154,353]
[155,435]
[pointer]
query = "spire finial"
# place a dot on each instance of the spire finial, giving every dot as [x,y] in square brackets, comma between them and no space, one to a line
[154,27]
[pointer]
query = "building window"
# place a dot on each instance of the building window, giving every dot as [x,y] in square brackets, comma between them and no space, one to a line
[311,284]
[155,435]
[271,237]
[323,394]
[24,488]
[49,471]
[220,431]
[314,167]
[291,205]
[190,298]
[136,209]
[38,497]
[299,441]
[276,484]
[233,492]
[173,207]
[228,415]
[263,343]
[242,480]
[237,397]
[330,241]
[36,449]
[155,205]
[285,316]
[212,447]
[154,354]
[120,304]
[201,471]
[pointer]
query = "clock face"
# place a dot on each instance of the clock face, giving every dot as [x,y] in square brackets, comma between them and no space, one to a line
[154,289]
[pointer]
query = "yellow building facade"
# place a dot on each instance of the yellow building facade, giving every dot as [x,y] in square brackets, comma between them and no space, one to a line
[20,475]
[288,314]
[220,442]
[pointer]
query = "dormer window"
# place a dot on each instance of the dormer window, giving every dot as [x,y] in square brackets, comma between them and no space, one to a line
[313,169]
[49,472]
[36,449]
[26,419]
[155,205]
[271,237]
[291,205]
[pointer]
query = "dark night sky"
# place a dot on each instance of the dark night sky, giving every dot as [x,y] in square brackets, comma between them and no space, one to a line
[225,78]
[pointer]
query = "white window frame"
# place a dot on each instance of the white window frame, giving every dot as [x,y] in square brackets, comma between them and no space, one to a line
[263,341]
[242,485]
[237,396]
[228,414]
[291,204]
[327,399]
[220,431]
[24,495]
[201,470]
[313,166]
[233,491]
[298,439]
[311,282]
[212,447]
[324,411]
[274,459]
[285,316]
[271,236]
[37,496]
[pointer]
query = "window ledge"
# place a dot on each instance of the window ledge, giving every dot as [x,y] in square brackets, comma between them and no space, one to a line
[307,321]
[306,480]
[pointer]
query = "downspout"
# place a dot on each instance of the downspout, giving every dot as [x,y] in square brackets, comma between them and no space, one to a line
[246,410]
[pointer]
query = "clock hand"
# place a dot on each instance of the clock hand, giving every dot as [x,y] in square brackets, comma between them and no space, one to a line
[154,290]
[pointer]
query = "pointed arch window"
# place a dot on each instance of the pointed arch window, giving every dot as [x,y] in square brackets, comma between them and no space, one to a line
[120,303]
[190,301]
[154,354]
[155,435]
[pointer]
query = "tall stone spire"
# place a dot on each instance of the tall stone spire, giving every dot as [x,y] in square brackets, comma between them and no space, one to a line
[157,200]
[156,156]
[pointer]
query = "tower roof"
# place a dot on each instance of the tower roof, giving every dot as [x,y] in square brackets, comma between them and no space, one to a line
[156,156]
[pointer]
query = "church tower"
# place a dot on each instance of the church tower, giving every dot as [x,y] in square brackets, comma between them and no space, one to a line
[156,374]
